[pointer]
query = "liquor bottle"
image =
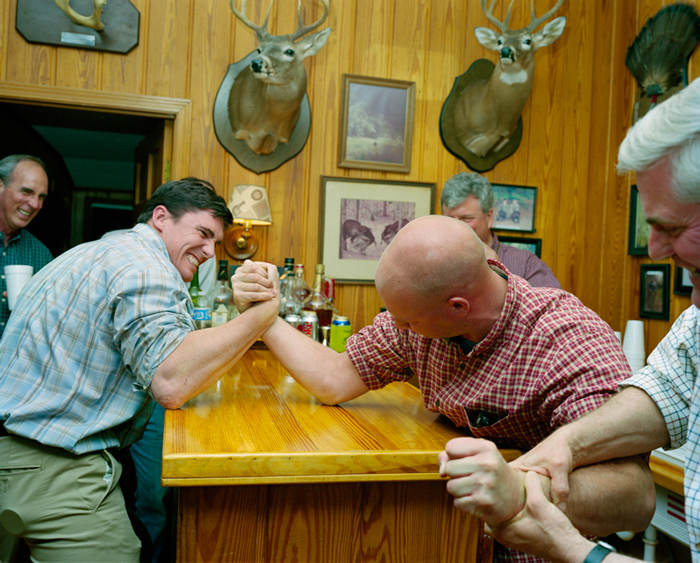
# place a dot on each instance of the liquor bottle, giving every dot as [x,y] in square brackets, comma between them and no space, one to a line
[287,275]
[318,301]
[221,302]
[202,308]
[302,292]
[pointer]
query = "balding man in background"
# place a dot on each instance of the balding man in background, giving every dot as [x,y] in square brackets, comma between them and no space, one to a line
[24,186]
[469,198]
[500,358]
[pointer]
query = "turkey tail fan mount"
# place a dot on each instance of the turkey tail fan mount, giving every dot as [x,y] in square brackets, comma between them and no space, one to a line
[658,56]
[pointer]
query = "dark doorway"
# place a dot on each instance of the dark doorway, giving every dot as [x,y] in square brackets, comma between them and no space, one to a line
[90,159]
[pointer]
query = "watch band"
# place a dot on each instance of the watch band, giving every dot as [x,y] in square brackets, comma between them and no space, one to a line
[597,554]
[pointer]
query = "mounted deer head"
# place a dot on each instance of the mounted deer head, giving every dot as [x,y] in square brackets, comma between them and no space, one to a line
[487,112]
[265,99]
[92,21]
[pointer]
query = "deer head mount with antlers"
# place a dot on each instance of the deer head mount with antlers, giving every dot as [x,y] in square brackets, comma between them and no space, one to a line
[92,21]
[488,108]
[265,99]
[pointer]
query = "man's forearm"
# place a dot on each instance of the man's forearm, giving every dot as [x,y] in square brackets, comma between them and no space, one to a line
[612,496]
[628,424]
[329,376]
[205,355]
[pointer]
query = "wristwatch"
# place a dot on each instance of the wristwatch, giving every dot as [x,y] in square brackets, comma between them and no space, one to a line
[597,554]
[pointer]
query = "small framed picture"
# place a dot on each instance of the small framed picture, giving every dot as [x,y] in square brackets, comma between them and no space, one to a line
[654,291]
[681,282]
[376,123]
[533,245]
[359,218]
[639,228]
[514,208]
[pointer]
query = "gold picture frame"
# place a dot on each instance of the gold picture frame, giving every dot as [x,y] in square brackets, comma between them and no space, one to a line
[376,123]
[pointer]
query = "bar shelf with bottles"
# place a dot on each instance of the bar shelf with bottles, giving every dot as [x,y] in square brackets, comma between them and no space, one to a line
[311,309]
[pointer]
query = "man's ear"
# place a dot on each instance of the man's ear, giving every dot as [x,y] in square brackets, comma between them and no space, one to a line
[460,306]
[159,217]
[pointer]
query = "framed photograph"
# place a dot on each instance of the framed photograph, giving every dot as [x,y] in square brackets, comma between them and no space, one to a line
[654,291]
[359,218]
[376,123]
[639,228]
[514,208]
[681,282]
[533,245]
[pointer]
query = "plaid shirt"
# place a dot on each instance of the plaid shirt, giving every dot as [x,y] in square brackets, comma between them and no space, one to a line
[671,379]
[85,340]
[24,248]
[525,264]
[547,361]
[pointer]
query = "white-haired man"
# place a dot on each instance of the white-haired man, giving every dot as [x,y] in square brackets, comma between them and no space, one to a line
[659,405]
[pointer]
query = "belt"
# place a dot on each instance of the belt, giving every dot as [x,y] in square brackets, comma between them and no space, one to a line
[3,431]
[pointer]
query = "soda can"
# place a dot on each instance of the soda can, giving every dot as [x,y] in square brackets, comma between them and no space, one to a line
[293,320]
[340,330]
[309,324]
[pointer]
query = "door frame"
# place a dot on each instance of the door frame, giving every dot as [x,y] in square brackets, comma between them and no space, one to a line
[179,110]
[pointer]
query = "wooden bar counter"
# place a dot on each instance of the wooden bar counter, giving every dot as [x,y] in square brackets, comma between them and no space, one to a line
[267,473]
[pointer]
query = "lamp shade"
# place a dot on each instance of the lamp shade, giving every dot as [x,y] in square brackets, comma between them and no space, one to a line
[249,203]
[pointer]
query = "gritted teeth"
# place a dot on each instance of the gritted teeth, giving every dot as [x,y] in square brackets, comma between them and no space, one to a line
[193,260]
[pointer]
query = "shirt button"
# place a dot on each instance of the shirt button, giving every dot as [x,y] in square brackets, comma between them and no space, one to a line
[437,403]
[462,366]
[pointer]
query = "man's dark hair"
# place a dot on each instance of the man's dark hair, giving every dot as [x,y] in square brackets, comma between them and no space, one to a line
[9,163]
[183,196]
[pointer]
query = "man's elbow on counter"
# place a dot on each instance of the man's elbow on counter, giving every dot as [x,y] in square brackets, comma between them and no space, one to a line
[167,394]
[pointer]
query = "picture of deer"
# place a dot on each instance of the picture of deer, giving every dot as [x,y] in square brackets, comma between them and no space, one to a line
[265,98]
[488,108]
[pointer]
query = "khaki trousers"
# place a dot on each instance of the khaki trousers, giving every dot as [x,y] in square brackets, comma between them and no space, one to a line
[66,507]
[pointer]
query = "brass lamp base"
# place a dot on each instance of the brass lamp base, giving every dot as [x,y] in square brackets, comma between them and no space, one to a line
[240,242]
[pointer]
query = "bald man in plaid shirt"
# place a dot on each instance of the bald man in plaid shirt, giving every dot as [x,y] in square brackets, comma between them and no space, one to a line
[504,360]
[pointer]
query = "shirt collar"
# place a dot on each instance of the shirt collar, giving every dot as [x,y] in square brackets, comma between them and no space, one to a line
[503,321]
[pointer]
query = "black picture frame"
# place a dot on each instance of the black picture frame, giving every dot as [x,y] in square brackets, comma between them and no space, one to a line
[514,208]
[654,290]
[638,243]
[681,282]
[533,245]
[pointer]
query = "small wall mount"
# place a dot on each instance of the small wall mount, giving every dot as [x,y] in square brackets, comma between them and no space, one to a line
[42,21]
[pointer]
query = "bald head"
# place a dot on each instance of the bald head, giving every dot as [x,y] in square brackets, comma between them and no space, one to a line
[431,257]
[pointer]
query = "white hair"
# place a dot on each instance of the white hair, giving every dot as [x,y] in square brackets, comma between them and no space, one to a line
[670,129]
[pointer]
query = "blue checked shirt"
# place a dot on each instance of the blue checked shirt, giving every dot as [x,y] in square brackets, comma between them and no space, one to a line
[24,248]
[671,379]
[85,340]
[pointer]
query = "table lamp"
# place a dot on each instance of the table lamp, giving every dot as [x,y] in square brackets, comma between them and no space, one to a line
[249,206]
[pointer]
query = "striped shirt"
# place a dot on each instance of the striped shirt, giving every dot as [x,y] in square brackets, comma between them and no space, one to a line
[547,361]
[671,380]
[26,249]
[525,264]
[85,340]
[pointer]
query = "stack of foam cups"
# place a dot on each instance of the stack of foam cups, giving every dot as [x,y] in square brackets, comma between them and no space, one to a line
[633,345]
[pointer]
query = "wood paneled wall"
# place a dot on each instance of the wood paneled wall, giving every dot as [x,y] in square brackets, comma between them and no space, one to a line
[579,110]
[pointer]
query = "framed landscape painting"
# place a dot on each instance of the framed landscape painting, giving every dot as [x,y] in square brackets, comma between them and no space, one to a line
[376,123]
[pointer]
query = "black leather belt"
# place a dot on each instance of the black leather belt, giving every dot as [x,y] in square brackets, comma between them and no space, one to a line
[3,431]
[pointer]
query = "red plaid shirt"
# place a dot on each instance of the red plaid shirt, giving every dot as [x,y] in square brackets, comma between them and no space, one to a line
[547,361]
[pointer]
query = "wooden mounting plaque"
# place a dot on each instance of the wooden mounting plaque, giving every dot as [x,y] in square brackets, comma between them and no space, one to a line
[42,21]
[257,163]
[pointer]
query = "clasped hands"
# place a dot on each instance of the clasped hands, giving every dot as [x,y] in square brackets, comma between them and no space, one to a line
[254,282]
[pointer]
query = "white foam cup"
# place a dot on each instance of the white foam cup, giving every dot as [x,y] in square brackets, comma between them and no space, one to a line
[16,276]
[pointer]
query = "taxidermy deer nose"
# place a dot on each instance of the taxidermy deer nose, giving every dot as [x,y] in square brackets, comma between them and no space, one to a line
[507,53]
[256,65]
